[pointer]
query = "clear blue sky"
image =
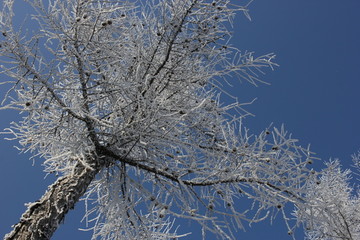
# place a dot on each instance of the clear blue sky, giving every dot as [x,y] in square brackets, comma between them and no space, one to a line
[314,92]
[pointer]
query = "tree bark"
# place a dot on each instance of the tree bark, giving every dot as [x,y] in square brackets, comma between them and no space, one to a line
[43,217]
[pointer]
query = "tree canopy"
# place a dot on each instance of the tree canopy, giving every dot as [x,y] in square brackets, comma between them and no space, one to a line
[123,100]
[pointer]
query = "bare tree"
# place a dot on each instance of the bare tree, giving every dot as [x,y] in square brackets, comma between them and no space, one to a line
[122,100]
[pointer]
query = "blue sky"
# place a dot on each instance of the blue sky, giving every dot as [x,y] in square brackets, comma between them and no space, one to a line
[314,93]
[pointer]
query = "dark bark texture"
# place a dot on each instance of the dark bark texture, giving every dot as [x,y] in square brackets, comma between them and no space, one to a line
[43,217]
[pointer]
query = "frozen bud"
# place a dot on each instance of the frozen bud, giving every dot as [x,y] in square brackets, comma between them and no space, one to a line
[109,22]
[162,213]
[78,19]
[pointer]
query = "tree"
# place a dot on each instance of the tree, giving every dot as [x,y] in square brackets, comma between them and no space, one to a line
[333,210]
[123,101]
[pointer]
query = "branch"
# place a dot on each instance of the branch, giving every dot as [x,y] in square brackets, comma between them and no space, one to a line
[174,178]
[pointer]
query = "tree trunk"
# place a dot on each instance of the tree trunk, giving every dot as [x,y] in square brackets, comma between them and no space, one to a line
[43,217]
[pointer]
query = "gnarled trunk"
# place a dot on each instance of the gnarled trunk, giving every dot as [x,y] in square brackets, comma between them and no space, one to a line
[43,217]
